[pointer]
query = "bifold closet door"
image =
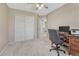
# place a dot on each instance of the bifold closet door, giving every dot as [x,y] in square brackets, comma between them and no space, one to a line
[24,28]
[29,27]
[19,28]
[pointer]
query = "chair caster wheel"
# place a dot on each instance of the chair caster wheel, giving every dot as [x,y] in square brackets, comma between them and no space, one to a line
[58,54]
[50,50]
[64,51]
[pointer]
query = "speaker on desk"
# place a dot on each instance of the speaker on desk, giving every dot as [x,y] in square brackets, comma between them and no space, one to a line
[70,32]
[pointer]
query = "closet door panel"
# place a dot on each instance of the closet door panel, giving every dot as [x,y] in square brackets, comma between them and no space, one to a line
[29,27]
[19,28]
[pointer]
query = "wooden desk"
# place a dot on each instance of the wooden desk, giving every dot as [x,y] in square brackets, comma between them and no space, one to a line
[72,42]
[74,45]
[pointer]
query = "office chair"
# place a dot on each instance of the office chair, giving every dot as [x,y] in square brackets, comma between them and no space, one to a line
[55,39]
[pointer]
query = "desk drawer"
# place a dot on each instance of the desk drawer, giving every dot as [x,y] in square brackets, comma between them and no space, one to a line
[74,52]
[74,46]
[75,41]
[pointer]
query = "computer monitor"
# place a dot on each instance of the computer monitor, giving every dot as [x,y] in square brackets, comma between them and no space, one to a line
[64,28]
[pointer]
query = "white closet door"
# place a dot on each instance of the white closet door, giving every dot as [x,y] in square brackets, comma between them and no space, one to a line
[19,28]
[29,27]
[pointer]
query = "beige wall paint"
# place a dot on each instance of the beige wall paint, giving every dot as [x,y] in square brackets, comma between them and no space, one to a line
[14,12]
[4,17]
[68,15]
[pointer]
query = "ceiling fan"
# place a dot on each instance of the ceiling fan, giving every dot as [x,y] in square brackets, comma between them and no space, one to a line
[39,6]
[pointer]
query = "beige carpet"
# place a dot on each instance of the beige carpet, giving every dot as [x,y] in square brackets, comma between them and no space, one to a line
[38,47]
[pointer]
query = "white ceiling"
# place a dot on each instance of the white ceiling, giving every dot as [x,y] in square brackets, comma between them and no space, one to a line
[31,7]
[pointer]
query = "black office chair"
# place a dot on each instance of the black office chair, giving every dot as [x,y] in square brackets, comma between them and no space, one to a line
[55,39]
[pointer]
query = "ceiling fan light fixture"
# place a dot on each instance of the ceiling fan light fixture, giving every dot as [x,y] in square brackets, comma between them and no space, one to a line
[37,5]
[42,5]
[39,8]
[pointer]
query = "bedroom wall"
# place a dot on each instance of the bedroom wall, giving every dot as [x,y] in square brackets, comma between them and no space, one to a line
[67,15]
[4,23]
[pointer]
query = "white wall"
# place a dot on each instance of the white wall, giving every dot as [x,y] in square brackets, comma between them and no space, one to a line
[4,17]
[67,15]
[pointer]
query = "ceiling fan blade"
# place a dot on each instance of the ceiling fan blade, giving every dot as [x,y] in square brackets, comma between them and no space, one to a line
[36,8]
[46,6]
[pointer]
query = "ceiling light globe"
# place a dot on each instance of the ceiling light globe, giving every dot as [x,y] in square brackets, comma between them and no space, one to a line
[42,5]
[40,8]
[37,5]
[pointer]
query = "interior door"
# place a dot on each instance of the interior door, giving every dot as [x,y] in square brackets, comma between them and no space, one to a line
[19,28]
[29,27]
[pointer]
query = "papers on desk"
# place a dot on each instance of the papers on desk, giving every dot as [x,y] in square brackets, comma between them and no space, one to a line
[75,33]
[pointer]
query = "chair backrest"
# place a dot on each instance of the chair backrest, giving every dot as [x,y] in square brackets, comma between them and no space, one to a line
[54,36]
